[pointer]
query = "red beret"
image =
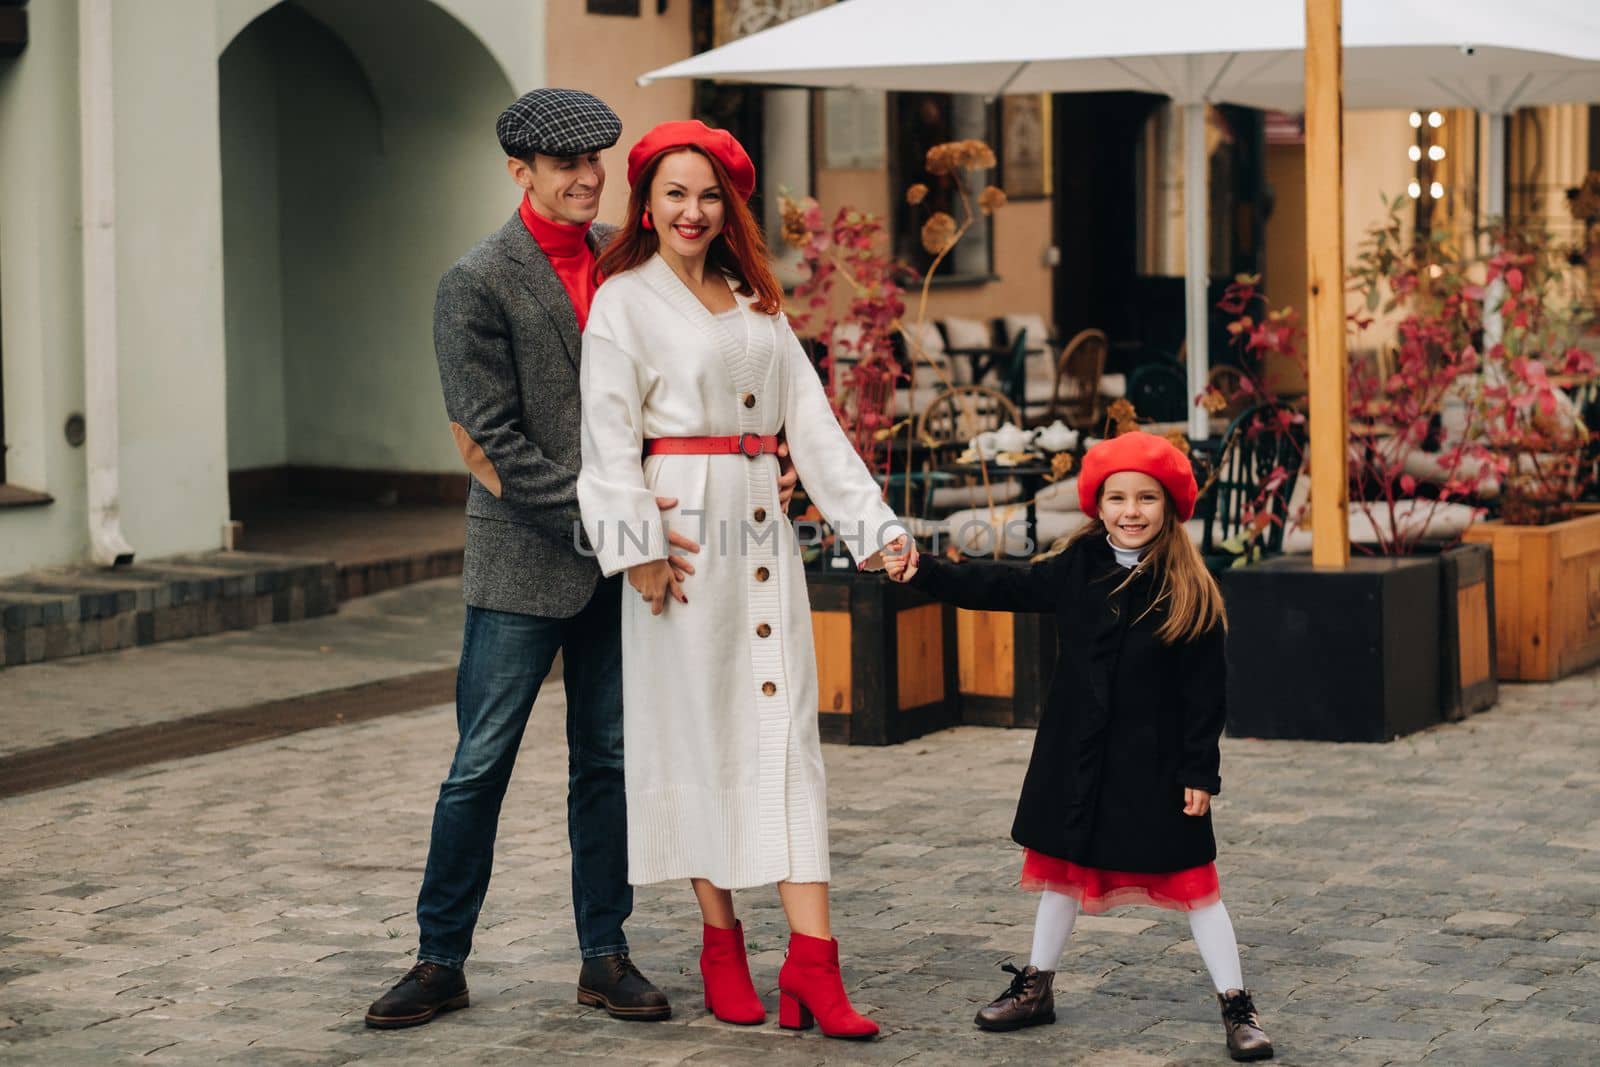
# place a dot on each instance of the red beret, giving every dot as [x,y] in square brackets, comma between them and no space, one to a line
[1147,454]
[718,143]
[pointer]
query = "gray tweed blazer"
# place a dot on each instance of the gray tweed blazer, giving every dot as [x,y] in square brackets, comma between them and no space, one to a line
[508,345]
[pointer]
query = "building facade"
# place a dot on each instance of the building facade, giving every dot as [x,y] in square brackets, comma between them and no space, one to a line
[272,190]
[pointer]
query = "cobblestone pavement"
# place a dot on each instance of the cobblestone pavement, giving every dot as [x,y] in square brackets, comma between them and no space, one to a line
[1434,900]
[389,635]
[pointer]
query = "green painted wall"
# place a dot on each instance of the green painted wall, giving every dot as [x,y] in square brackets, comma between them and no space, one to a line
[253,268]
[41,314]
[380,184]
[318,348]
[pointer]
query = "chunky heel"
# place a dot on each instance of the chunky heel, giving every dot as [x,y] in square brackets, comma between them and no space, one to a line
[793,1015]
[811,990]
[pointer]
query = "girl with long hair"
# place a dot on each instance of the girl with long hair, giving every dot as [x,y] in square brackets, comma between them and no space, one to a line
[1116,805]
[689,372]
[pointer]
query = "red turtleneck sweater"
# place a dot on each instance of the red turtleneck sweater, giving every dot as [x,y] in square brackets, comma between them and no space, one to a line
[567,247]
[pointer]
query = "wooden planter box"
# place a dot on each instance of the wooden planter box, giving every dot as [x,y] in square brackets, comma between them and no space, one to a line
[1005,662]
[1334,655]
[1467,682]
[886,659]
[1547,596]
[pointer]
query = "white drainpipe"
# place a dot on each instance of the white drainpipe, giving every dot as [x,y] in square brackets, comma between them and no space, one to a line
[106,543]
[1197,263]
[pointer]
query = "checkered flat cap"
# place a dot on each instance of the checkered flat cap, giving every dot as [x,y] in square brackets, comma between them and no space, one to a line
[557,122]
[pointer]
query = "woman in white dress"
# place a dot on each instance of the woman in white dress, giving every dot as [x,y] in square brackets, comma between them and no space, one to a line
[690,370]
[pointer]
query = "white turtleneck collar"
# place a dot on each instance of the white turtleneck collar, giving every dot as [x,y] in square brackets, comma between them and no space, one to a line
[1126,557]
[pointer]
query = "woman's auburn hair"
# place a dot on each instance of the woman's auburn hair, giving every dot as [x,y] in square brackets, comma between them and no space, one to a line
[1193,598]
[739,251]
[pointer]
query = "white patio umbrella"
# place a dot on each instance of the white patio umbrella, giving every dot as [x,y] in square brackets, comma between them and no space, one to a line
[1411,53]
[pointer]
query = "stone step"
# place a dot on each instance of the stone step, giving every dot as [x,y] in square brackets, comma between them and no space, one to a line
[72,611]
[365,577]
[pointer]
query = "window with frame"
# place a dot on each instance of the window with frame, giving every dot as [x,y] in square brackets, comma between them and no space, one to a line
[918,121]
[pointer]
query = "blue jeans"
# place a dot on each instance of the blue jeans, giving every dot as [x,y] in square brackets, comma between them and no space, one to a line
[504,659]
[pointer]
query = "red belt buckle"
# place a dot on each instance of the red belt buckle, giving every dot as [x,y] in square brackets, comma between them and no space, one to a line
[746,440]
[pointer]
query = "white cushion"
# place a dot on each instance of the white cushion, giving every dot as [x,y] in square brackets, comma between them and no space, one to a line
[1040,370]
[928,335]
[1430,467]
[1059,496]
[967,333]
[971,496]
[931,368]
[1414,519]
[927,530]
[915,400]
[1038,331]
[974,532]
[845,342]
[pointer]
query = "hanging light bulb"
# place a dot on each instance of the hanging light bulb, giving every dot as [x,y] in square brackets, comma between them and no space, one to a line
[1416,120]
[1415,190]
[1436,153]
[1436,190]
[1415,153]
[1435,119]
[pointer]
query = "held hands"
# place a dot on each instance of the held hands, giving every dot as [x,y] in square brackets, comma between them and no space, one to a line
[660,578]
[655,581]
[681,567]
[1196,801]
[900,560]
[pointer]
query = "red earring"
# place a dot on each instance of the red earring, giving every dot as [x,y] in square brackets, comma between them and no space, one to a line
[645,220]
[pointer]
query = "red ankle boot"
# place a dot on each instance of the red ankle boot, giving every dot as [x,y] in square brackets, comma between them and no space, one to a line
[811,989]
[730,995]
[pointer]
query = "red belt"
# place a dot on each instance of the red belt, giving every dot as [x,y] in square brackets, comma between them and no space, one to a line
[749,445]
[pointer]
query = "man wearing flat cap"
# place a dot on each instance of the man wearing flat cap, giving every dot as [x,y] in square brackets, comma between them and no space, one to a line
[506,329]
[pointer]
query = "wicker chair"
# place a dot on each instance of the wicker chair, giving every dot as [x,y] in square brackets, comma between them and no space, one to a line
[960,414]
[955,417]
[1076,397]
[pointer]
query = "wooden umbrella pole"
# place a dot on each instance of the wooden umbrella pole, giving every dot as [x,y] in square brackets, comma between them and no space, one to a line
[1325,319]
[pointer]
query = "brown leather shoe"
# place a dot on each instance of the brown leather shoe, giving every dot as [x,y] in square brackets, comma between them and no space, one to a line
[615,984]
[1246,1039]
[425,991]
[1029,1001]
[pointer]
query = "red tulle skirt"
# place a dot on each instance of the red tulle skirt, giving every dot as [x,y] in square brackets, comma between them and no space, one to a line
[1098,890]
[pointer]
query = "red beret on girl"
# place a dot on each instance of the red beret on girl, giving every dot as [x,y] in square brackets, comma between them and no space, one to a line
[1147,454]
[692,132]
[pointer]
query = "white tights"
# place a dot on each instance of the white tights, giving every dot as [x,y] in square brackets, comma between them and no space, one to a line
[1211,927]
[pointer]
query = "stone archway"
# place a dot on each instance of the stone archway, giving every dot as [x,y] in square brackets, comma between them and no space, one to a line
[358,162]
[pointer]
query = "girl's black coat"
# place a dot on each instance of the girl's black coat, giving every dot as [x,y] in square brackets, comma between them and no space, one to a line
[1129,722]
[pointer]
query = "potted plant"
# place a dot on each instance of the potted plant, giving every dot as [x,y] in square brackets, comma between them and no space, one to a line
[1414,594]
[886,665]
[1546,557]
[892,663]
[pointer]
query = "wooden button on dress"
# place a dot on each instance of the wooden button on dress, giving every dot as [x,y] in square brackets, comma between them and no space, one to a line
[749,400]
[763,630]
[761,515]
[768,688]
[762,574]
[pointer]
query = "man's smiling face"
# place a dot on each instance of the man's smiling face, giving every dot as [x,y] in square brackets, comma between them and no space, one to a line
[563,188]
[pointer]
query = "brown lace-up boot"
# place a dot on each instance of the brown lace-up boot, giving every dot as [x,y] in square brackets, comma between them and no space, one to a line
[1028,1001]
[1246,1039]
